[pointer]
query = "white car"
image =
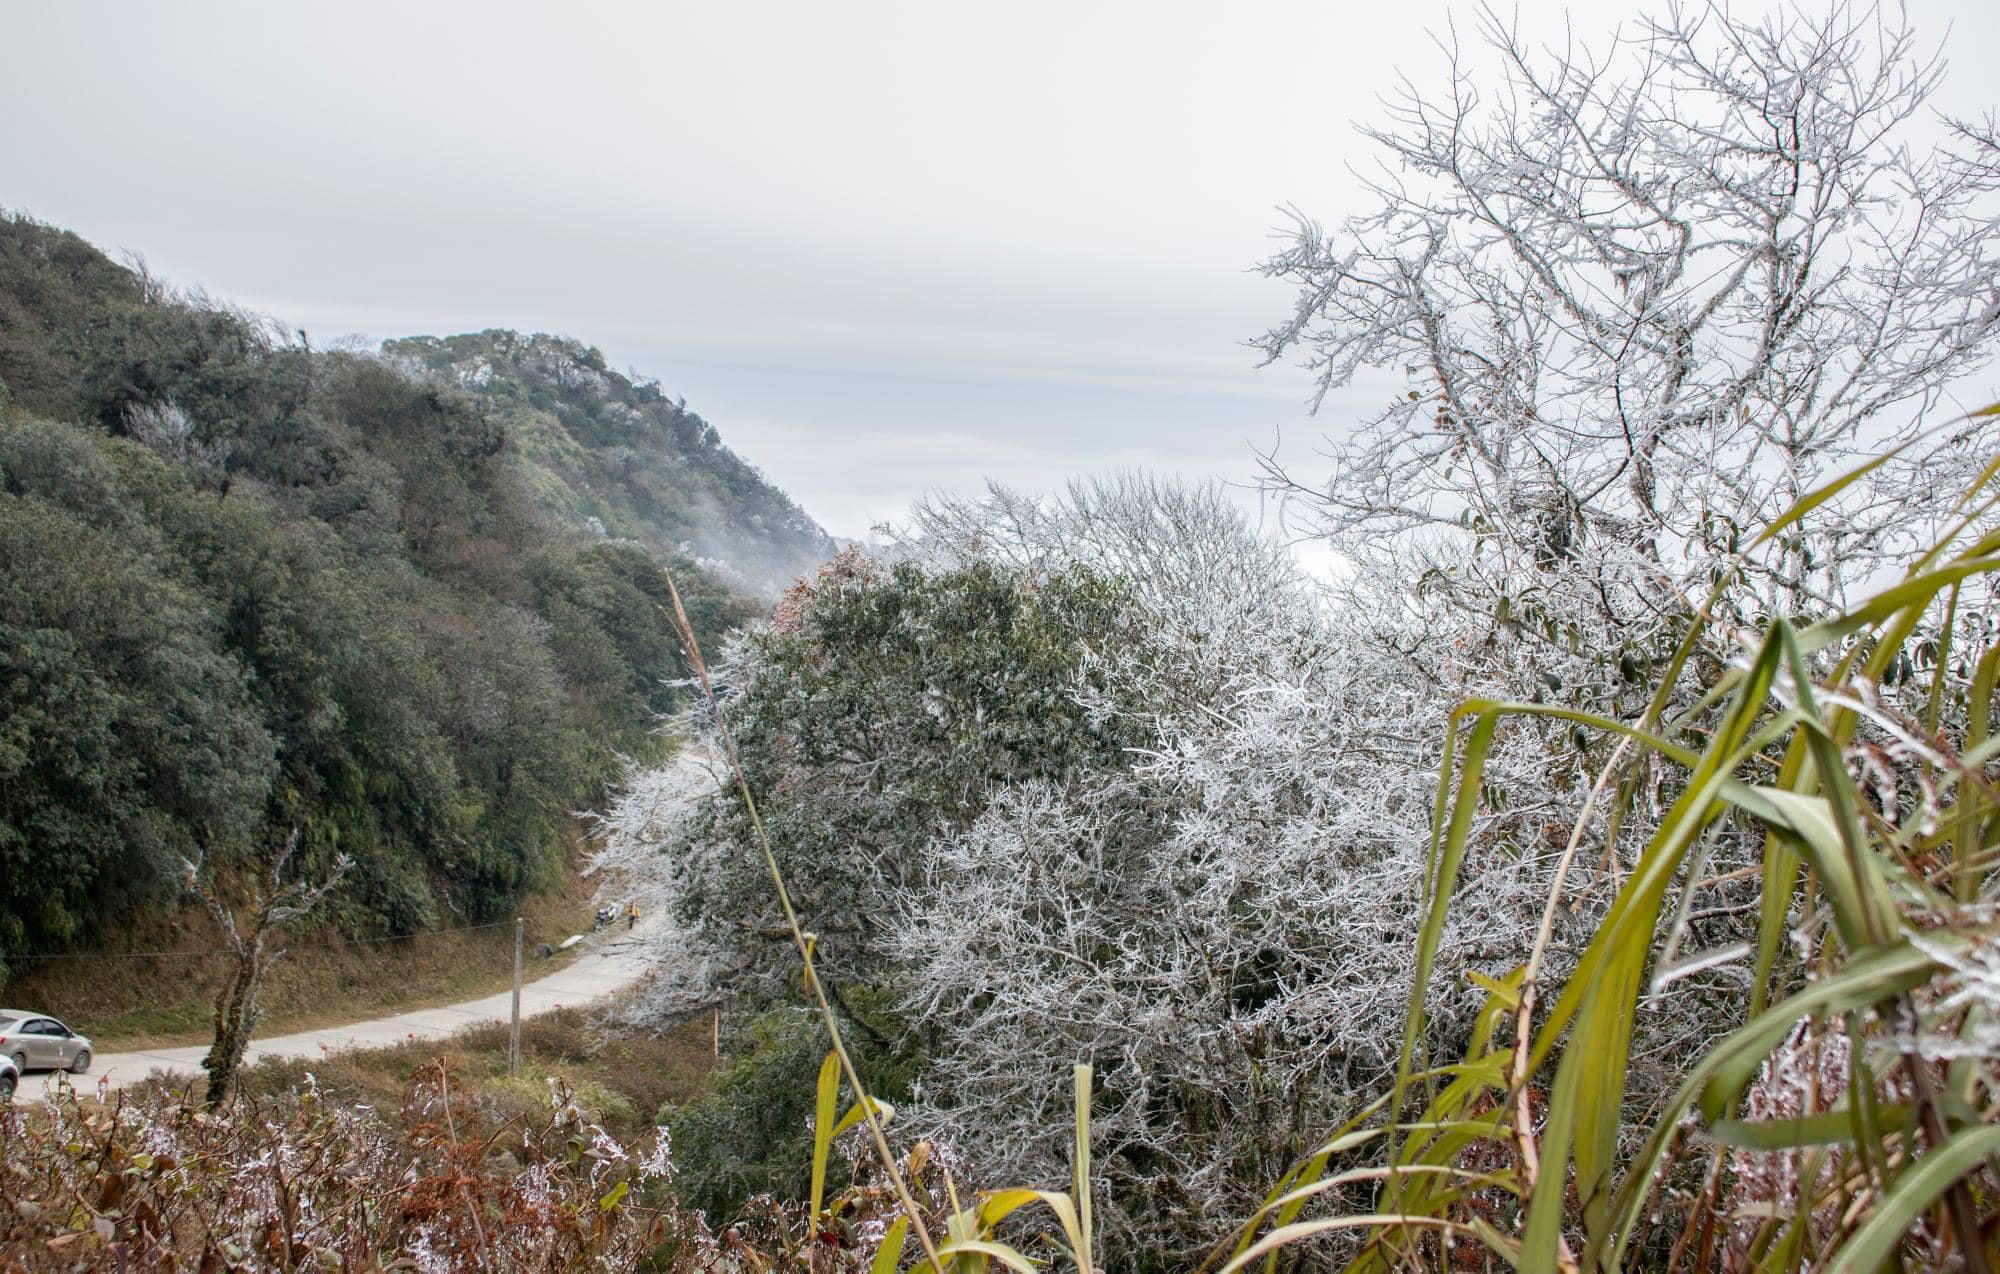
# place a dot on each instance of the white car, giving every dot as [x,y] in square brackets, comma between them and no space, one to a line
[34,1041]
[9,1077]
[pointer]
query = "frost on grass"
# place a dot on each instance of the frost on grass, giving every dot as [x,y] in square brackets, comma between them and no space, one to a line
[311,1181]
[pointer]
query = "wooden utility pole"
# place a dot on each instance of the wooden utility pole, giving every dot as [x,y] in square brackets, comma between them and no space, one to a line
[514,1031]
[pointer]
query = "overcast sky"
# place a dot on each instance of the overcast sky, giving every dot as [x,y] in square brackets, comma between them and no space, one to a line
[883,247]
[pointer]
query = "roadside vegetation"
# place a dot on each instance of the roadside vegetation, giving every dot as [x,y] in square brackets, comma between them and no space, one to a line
[312,1182]
[624,1080]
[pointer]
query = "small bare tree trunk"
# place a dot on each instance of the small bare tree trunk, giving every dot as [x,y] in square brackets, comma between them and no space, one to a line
[277,904]
[235,1019]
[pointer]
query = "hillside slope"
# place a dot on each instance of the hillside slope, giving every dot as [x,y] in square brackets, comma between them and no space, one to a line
[614,454]
[247,586]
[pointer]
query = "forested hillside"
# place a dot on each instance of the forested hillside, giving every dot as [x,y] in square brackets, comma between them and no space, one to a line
[614,454]
[246,584]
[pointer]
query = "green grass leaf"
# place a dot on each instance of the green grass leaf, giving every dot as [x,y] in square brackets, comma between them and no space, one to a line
[1921,1185]
[823,1131]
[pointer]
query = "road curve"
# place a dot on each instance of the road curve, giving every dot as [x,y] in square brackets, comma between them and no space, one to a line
[613,961]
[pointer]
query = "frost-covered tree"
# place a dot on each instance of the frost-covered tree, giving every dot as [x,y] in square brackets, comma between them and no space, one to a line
[277,903]
[1103,777]
[1222,924]
[1634,300]
[168,431]
[1629,306]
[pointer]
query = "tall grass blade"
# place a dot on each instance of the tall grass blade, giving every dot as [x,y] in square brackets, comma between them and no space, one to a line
[1080,1172]
[889,1257]
[824,1106]
[1822,494]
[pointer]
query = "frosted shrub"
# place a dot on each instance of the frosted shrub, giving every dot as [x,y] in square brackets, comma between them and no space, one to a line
[1217,914]
[1222,925]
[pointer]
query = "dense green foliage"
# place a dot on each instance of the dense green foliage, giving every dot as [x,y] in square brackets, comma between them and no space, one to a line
[246,585]
[750,1134]
[880,708]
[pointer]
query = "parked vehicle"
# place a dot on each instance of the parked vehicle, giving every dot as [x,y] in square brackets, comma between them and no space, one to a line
[33,1041]
[9,1077]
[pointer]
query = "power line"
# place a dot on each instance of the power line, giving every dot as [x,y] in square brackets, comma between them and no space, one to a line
[219,951]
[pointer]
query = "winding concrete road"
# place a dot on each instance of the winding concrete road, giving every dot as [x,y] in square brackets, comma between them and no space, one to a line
[612,962]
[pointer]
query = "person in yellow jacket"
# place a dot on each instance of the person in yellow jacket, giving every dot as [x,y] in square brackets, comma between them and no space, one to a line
[631,914]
